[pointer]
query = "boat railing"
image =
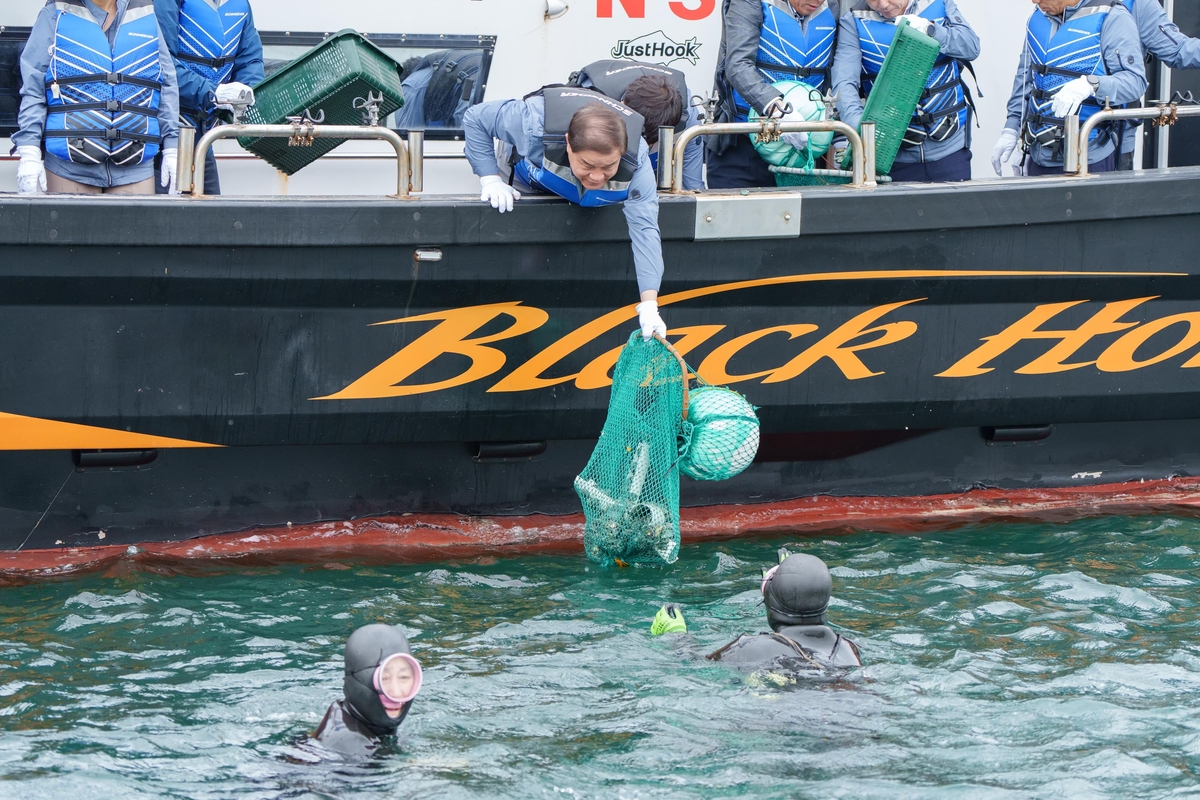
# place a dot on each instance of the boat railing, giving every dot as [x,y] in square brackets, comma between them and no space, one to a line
[671,147]
[1077,135]
[410,155]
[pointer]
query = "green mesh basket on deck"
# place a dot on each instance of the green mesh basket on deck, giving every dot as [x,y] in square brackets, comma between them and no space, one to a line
[328,78]
[896,92]
[655,429]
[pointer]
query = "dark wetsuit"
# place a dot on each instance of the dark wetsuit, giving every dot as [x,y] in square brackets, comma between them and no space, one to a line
[342,732]
[800,646]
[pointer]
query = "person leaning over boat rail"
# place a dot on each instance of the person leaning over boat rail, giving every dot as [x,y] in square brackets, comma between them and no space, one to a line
[585,148]
[937,146]
[218,57]
[661,96]
[98,100]
[1077,56]
[1162,39]
[762,42]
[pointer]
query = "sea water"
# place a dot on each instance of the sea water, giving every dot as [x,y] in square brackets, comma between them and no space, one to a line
[1002,661]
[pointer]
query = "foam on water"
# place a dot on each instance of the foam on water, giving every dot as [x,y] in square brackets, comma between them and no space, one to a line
[1002,662]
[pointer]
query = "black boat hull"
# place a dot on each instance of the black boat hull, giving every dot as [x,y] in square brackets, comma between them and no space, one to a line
[177,368]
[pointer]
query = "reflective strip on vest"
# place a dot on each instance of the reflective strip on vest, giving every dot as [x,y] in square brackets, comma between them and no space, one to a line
[103,100]
[554,174]
[789,51]
[943,109]
[210,33]
[612,78]
[1058,56]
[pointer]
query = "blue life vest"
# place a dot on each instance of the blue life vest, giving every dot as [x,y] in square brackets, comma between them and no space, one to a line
[788,51]
[210,33]
[554,173]
[103,101]
[944,108]
[1056,58]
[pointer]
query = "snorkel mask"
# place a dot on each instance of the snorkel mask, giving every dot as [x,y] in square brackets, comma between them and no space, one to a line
[382,681]
[770,573]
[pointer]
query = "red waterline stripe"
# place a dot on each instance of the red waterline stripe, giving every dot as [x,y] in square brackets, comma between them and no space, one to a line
[435,537]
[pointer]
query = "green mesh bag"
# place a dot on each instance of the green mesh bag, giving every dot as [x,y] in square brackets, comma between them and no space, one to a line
[630,486]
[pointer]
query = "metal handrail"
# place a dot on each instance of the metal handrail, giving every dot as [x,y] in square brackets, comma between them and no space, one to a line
[671,174]
[408,178]
[1075,155]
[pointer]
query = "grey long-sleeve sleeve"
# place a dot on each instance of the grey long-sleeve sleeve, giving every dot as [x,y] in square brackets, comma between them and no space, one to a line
[1162,38]
[168,105]
[743,26]
[507,120]
[693,157]
[641,214]
[1121,49]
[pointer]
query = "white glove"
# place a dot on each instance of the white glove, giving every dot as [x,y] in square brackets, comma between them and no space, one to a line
[31,173]
[1003,150]
[649,319]
[498,193]
[797,139]
[170,165]
[1070,96]
[917,23]
[229,93]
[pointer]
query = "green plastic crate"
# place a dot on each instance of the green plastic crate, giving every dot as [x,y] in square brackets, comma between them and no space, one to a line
[896,92]
[327,78]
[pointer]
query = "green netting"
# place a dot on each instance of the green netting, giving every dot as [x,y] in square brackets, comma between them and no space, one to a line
[896,92]
[720,437]
[630,486]
[805,101]
[328,78]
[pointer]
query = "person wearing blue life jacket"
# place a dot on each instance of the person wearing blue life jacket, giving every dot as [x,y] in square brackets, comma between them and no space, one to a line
[584,147]
[765,41]
[1078,56]
[98,100]
[937,145]
[438,89]
[660,94]
[1162,39]
[218,58]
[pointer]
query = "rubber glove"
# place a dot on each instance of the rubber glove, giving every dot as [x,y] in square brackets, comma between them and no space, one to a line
[498,193]
[1070,96]
[1003,150]
[229,93]
[917,23]
[649,319]
[170,165]
[31,173]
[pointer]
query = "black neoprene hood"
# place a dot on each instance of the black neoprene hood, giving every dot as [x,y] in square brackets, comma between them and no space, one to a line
[798,593]
[366,649]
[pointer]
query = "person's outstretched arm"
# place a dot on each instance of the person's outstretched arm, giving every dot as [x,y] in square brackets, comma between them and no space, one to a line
[1162,38]
[847,73]
[743,26]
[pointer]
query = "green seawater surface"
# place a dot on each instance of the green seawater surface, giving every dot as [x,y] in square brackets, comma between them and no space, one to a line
[1002,661]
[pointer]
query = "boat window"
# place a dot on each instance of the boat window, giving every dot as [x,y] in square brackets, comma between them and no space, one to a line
[12,42]
[443,76]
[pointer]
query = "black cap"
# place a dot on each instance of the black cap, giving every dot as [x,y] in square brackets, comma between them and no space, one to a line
[366,649]
[798,592]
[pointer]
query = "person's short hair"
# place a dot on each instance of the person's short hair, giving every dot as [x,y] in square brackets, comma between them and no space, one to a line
[599,129]
[658,101]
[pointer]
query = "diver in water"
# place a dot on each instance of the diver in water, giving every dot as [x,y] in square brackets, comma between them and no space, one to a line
[382,678]
[796,593]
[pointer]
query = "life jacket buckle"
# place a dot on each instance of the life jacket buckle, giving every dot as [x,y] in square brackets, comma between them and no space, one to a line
[112,134]
[114,78]
[112,106]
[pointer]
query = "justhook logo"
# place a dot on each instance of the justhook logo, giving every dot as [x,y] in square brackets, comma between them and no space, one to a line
[658,48]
